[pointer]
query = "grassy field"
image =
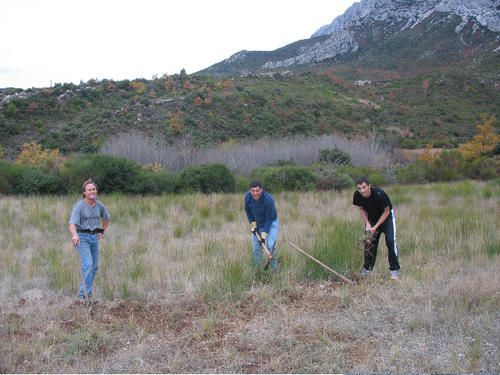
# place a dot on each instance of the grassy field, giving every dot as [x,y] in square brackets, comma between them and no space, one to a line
[178,291]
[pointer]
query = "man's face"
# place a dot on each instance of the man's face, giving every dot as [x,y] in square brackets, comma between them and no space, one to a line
[364,189]
[90,191]
[256,192]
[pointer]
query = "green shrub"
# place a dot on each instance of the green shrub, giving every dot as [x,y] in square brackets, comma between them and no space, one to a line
[112,174]
[150,182]
[337,182]
[242,184]
[290,177]
[334,156]
[9,175]
[483,168]
[207,178]
[32,180]
[376,177]
[413,173]
[446,167]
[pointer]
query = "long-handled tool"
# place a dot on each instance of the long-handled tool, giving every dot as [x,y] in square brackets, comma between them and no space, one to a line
[267,254]
[321,264]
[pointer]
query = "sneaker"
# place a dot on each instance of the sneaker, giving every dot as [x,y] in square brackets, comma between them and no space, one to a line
[395,274]
[364,272]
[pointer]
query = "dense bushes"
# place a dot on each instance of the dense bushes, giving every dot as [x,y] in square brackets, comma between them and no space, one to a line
[207,178]
[112,174]
[449,166]
[288,177]
[25,179]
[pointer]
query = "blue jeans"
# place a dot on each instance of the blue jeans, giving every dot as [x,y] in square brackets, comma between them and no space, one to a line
[272,237]
[89,253]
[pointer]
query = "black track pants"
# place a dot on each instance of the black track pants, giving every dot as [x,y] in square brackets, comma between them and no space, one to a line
[389,230]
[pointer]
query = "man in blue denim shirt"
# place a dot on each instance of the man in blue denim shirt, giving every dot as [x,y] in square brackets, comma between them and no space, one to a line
[263,218]
[84,226]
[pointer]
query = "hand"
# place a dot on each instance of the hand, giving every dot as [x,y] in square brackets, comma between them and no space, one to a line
[263,236]
[75,240]
[253,227]
[99,236]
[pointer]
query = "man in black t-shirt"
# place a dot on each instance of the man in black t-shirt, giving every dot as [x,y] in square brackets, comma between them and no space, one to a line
[378,216]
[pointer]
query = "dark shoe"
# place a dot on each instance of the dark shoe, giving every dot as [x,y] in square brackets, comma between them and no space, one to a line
[92,300]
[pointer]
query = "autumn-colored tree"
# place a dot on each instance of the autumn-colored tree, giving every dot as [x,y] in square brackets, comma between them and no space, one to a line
[169,85]
[33,107]
[33,154]
[198,101]
[110,86]
[428,155]
[138,86]
[187,85]
[3,152]
[483,142]
[228,84]
[175,122]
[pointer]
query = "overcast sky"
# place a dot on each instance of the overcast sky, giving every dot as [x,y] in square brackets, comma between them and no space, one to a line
[54,41]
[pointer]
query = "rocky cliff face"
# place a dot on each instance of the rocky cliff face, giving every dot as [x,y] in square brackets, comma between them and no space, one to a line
[408,14]
[395,15]
[441,31]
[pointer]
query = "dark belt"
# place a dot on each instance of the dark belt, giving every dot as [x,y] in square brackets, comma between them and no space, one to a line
[91,231]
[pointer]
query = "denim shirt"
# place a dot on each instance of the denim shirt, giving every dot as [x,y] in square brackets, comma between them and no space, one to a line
[262,211]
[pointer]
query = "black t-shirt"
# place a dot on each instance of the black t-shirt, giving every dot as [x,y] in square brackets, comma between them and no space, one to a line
[374,205]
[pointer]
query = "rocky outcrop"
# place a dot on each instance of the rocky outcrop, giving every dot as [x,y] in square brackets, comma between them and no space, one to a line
[397,15]
[339,43]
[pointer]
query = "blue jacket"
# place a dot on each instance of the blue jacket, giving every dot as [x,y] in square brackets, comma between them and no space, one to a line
[262,211]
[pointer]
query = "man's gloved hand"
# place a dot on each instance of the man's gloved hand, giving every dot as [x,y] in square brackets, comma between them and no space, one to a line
[263,236]
[253,227]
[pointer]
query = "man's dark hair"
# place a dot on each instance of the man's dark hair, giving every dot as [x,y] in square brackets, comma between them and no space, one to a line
[362,180]
[255,184]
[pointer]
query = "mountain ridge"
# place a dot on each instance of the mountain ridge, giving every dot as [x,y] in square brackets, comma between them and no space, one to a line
[379,21]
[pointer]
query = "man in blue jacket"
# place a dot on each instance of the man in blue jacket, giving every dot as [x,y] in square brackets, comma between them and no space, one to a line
[263,219]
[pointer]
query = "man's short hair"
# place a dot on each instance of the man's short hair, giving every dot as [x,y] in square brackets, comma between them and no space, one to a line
[88,182]
[255,183]
[362,180]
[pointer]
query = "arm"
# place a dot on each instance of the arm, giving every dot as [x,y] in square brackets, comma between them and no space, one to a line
[364,216]
[105,224]
[248,211]
[75,239]
[383,217]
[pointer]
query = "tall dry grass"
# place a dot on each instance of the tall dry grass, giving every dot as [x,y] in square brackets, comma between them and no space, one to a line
[178,291]
[243,158]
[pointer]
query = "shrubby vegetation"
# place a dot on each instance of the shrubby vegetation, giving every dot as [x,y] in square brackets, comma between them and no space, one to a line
[211,111]
[44,171]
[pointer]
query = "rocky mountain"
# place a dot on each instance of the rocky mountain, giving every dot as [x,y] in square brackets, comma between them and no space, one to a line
[418,32]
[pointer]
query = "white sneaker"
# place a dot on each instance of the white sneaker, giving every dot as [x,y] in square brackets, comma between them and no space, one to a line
[395,274]
[364,272]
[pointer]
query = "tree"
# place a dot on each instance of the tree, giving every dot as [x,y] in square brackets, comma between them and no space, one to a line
[138,86]
[33,154]
[484,142]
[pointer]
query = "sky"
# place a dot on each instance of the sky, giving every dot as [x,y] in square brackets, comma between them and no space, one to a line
[45,42]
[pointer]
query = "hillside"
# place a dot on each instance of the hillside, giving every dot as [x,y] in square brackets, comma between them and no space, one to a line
[413,72]
[408,110]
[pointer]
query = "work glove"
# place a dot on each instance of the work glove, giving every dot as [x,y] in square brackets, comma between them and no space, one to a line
[253,227]
[263,236]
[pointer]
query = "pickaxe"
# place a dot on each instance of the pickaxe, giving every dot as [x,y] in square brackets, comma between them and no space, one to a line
[321,264]
[267,254]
